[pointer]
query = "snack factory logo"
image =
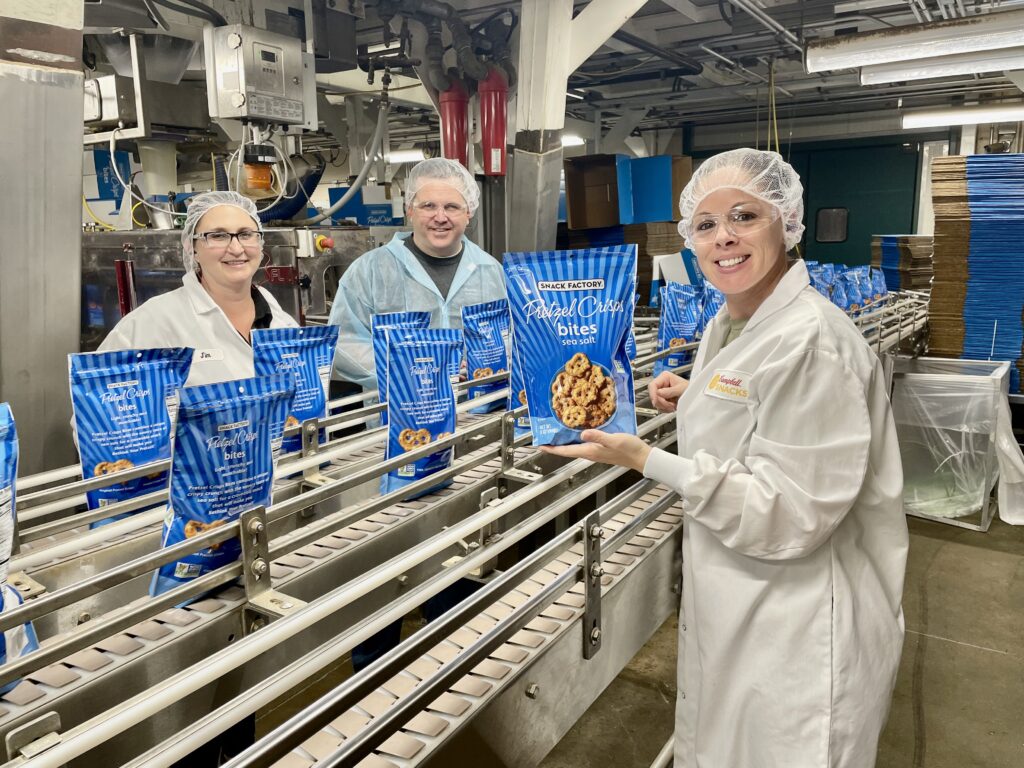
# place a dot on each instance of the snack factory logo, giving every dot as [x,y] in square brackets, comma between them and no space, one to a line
[571,285]
[728,385]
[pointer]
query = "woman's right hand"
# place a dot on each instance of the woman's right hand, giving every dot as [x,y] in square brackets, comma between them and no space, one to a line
[666,389]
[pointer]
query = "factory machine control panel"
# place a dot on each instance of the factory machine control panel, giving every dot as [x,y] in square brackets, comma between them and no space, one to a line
[255,75]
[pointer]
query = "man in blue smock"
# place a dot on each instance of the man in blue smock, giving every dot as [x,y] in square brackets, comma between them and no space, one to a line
[432,269]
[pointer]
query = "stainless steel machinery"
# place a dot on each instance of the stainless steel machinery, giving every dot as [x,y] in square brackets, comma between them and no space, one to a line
[577,562]
[303,266]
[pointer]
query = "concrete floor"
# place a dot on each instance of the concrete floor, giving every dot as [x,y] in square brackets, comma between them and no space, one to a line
[959,700]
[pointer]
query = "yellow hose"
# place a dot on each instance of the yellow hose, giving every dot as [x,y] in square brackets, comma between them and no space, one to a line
[94,217]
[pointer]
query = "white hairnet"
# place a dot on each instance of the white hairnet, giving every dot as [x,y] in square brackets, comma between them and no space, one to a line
[765,175]
[201,204]
[445,171]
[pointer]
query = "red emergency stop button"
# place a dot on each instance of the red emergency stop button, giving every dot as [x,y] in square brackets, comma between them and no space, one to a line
[324,243]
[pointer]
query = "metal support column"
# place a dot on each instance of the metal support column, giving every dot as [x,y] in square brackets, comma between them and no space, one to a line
[552,44]
[40,258]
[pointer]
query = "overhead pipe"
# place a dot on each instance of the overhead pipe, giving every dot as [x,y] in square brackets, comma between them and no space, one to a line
[501,53]
[435,54]
[371,157]
[788,37]
[463,43]
[683,62]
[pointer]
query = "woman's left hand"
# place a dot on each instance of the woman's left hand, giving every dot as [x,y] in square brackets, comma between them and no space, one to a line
[622,450]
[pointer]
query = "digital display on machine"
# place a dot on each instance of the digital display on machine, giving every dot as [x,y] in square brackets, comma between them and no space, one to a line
[268,56]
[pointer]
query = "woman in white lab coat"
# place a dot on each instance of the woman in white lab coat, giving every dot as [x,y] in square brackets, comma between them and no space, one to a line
[794,540]
[217,306]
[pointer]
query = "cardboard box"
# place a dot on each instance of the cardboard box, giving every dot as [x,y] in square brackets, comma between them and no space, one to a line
[657,183]
[598,191]
[610,190]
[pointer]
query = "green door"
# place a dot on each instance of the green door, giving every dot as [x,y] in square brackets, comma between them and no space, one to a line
[854,193]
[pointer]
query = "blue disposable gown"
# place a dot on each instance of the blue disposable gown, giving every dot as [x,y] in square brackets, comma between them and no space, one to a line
[391,279]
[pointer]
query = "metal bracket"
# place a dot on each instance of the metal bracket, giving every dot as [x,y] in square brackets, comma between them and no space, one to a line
[522,476]
[27,586]
[592,573]
[508,437]
[273,604]
[255,537]
[35,737]
[312,477]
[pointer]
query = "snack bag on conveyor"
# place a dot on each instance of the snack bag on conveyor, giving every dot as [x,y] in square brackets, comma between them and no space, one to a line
[308,354]
[572,312]
[881,290]
[851,281]
[226,443]
[839,296]
[517,391]
[486,331]
[379,327]
[867,288]
[819,281]
[712,302]
[680,314]
[422,401]
[22,639]
[125,404]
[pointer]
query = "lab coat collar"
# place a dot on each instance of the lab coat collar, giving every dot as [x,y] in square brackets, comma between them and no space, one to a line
[785,293]
[789,287]
[201,301]
[467,265]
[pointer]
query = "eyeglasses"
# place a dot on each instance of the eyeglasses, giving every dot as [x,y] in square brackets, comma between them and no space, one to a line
[741,220]
[218,240]
[431,209]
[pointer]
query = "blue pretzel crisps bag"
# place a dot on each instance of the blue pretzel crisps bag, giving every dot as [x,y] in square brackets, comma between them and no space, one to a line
[881,290]
[421,400]
[379,327]
[486,330]
[125,404]
[308,354]
[867,288]
[20,640]
[711,302]
[227,439]
[680,314]
[517,391]
[8,480]
[851,282]
[572,312]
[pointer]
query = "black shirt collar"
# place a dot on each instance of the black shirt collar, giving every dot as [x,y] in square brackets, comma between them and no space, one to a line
[264,315]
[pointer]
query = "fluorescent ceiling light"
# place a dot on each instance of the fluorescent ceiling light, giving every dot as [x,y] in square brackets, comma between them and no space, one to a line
[982,113]
[572,140]
[394,45]
[577,96]
[918,41]
[1005,59]
[396,156]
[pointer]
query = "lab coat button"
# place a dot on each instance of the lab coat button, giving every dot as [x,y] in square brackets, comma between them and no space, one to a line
[682,627]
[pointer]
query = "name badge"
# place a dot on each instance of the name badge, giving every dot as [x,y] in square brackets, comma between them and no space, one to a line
[729,385]
[204,355]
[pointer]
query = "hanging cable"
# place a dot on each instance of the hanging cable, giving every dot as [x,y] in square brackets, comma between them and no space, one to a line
[128,189]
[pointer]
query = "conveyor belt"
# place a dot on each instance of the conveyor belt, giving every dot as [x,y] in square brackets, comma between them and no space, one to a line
[329,532]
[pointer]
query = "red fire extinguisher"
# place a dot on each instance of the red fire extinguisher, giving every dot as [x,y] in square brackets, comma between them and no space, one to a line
[455,122]
[493,121]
